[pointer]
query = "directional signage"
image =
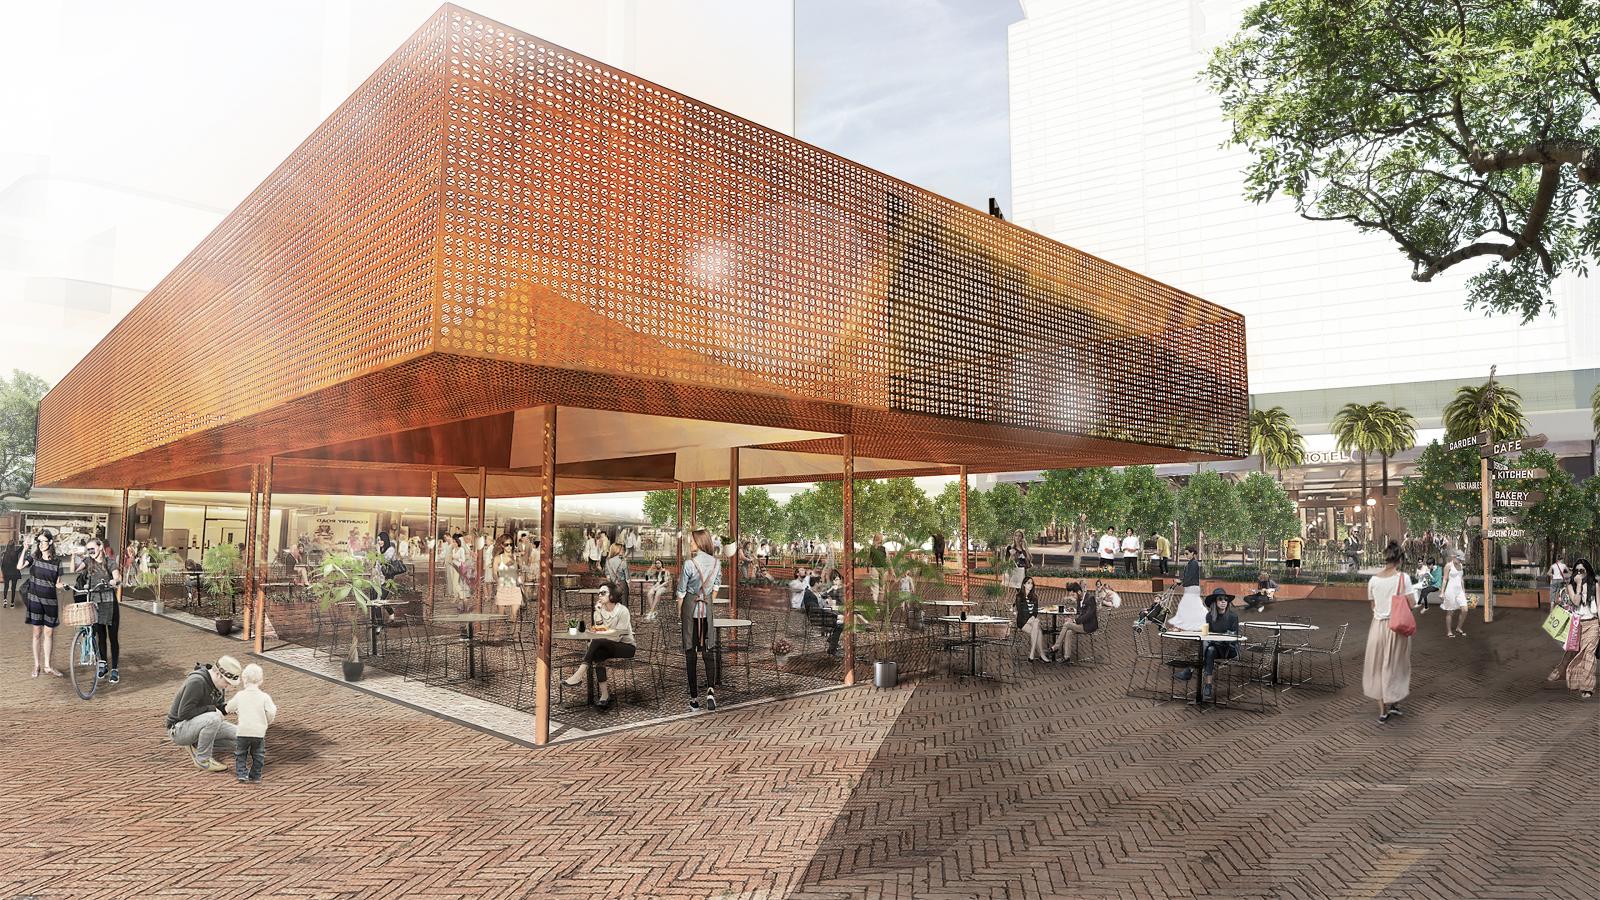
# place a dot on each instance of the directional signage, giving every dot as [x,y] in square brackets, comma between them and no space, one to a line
[1514,445]
[1465,485]
[1480,439]
[1505,533]
[1518,496]
[1520,474]
[1495,520]
[1498,466]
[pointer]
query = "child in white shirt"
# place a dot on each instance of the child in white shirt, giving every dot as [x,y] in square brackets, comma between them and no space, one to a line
[255,710]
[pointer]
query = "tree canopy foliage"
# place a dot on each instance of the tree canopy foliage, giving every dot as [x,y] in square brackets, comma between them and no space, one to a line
[19,416]
[1464,130]
[1428,500]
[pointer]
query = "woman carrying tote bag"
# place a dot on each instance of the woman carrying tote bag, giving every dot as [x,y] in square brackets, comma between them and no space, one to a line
[1386,676]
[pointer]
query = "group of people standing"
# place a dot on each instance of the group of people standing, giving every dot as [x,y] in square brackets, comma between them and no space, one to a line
[100,573]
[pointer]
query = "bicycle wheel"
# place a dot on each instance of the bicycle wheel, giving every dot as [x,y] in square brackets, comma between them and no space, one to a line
[83,674]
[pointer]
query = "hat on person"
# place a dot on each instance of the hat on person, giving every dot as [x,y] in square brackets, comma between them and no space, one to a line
[1218,595]
[229,667]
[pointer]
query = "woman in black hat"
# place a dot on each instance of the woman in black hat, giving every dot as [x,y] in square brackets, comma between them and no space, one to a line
[1220,619]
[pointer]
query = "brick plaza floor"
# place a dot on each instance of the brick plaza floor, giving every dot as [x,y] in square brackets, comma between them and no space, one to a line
[1056,785]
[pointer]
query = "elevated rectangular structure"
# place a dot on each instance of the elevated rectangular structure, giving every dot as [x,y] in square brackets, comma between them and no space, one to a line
[492,224]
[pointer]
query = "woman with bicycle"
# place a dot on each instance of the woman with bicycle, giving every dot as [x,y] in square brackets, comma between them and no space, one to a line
[101,576]
[43,613]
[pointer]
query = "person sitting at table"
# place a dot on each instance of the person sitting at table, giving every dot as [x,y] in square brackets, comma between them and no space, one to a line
[1266,592]
[613,618]
[1027,607]
[1106,597]
[1085,621]
[656,587]
[1191,613]
[821,612]
[797,587]
[1221,620]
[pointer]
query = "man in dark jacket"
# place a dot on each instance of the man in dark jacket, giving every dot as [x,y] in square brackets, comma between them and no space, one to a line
[1085,621]
[195,719]
[825,618]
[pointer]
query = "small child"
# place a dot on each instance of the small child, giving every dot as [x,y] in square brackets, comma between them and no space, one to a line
[256,711]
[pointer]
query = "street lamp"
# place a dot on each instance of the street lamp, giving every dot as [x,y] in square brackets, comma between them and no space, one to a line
[1371,502]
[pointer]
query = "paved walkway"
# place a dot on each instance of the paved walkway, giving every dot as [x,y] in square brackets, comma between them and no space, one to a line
[1056,786]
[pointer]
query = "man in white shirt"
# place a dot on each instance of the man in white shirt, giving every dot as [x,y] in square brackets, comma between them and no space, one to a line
[1130,553]
[1108,549]
[1559,574]
[797,587]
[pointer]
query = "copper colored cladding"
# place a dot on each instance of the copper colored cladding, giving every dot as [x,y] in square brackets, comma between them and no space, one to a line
[493,223]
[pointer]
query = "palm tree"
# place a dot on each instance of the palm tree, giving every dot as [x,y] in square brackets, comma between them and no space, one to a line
[1594,404]
[1274,437]
[1489,406]
[1362,429]
[1398,433]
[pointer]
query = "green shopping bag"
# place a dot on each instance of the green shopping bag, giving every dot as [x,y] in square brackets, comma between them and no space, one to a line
[1557,623]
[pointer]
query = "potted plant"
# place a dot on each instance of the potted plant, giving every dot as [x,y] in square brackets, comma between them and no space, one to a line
[781,648]
[572,626]
[146,574]
[347,578]
[221,565]
[879,616]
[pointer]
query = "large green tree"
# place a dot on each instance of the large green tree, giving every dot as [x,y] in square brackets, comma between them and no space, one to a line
[1428,500]
[1152,504]
[1209,512]
[1563,517]
[896,507]
[1464,130]
[816,513]
[1079,499]
[947,514]
[1268,514]
[19,416]
[661,508]
[1010,513]
[760,515]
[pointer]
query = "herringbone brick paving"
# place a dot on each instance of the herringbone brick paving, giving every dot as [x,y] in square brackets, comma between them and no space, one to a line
[1052,785]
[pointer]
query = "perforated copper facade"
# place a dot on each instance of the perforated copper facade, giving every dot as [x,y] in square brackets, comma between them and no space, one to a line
[493,223]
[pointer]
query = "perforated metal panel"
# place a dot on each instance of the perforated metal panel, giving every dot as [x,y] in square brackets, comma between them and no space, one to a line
[492,223]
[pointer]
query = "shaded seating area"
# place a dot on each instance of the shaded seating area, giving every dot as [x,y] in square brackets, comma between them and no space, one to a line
[538,276]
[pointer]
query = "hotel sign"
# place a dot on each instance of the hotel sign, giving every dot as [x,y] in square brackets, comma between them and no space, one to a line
[1326,457]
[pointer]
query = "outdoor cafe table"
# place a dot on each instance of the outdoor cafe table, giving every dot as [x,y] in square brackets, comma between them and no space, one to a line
[469,620]
[1280,628]
[585,636]
[972,623]
[1200,643]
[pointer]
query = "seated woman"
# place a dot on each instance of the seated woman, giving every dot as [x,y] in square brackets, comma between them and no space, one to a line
[656,587]
[1222,620]
[612,616]
[1107,598]
[1027,605]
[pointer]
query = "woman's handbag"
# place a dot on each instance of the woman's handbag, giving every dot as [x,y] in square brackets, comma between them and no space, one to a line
[1573,631]
[1401,621]
[1557,623]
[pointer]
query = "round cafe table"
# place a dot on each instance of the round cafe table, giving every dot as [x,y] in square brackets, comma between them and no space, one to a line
[470,620]
[1200,644]
[972,623]
[1280,628]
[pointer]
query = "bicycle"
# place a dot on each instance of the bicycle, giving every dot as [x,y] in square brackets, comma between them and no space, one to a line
[83,655]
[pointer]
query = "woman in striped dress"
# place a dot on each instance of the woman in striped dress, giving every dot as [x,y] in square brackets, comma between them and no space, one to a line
[43,570]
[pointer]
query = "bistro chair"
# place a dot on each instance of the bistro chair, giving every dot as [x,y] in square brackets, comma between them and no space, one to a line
[1331,656]
[1250,671]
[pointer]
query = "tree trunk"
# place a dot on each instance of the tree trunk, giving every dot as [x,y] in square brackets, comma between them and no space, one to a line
[1386,474]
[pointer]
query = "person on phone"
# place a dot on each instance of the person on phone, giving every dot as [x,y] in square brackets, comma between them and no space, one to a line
[100,569]
[697,591]
[614,620]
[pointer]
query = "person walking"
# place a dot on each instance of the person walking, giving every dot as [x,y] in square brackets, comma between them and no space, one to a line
[1191,613]
[616,573]
[1016,553]
[1453,599]
[1162,555]
[697,584]
[100,568]
[1386,676]
[10,567]
[1584,604]
[1559,575]
[938,550]
[43,614]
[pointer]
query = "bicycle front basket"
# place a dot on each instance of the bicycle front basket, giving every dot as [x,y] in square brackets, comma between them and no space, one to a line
[75,614]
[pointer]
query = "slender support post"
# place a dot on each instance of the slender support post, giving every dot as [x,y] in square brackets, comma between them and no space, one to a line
[677,551]
[122,543]
[247,560]
[847,559]
[966,570]
[694,507]
[263,557]
[733,531]
[433,537]
[480,552]
[1486,496]
[547,541]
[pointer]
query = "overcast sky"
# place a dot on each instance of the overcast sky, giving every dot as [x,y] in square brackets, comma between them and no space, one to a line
[914,88]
